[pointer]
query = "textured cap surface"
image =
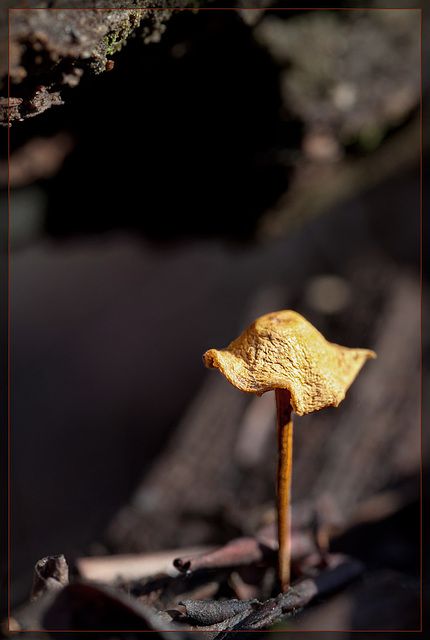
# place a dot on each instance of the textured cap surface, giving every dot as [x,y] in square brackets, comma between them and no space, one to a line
[283,350]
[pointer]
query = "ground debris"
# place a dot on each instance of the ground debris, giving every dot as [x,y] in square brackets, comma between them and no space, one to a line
[166,603]
[238,552]
[206,612]
[50,574]
[252,615]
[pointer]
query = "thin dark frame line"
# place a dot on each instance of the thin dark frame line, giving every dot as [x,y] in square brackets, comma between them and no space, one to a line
[137,8]
[8,292]
[8,319]
[421,318]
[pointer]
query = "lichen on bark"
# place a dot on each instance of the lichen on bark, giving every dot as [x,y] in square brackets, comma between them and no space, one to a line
[52,44]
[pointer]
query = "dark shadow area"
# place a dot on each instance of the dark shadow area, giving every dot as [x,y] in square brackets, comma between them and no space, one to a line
[392,542]
[175,141]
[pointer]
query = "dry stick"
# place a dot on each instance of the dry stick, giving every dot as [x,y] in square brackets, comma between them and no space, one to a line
[238,552]
[283,487]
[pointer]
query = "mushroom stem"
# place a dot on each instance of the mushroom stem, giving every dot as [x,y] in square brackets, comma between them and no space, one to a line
[283,487]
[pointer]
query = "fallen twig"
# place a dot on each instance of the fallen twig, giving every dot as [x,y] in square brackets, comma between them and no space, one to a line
[238,552]
[107,569]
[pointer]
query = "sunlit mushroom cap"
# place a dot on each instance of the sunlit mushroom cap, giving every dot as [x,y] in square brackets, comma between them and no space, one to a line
[283,350]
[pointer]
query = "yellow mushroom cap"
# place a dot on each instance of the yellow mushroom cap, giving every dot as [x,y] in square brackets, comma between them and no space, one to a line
[282,350]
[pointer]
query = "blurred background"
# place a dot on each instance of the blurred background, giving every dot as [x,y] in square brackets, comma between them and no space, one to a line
[248,161]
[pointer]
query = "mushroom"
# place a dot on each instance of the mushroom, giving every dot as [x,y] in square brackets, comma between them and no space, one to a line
[282,351]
